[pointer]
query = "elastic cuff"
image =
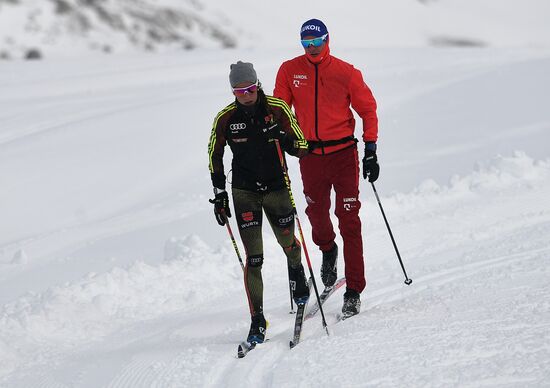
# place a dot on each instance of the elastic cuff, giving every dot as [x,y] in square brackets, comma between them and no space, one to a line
[218,191]
[370,146]
[327,247]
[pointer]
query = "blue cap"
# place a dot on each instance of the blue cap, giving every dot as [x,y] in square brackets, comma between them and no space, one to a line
[313,27]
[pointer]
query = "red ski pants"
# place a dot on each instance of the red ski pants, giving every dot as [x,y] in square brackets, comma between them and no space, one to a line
[338,170]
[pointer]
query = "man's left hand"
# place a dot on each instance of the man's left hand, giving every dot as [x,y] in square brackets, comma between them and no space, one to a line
[371,168]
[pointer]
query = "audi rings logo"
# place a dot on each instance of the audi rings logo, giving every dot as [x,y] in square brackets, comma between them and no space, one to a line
[237,127]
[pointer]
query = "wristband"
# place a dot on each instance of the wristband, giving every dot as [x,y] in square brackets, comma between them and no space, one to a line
[370,146]
[218,191]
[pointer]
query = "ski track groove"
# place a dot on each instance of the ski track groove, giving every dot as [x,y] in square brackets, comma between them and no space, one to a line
[40,379]
[223,369]
[170,372]
[56,126]
[259,367]
[133,374]
[248,371]
[446,276]
[51,383]
[421,284]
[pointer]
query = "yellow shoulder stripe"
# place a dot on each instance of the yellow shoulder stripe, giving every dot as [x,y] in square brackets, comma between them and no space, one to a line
[286,109]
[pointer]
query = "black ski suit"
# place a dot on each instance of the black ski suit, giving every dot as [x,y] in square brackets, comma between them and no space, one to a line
[258,183]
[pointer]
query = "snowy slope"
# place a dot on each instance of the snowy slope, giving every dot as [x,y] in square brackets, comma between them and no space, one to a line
[113,272]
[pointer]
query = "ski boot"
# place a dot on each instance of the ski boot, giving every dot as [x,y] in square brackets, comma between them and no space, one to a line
[298,284]
[258,327]
[328,268]
[352,304]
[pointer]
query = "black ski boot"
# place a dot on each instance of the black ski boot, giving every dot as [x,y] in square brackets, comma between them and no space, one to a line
[298,284]
[328,268]
[257,331]
[352,304]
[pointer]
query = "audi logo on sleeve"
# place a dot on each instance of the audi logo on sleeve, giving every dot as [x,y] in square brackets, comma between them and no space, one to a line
[235,128]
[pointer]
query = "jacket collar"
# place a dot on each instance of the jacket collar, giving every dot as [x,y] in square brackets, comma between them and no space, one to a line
[320,59]
[259,108]
[324,62]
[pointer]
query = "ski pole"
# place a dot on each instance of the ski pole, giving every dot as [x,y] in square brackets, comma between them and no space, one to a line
[407,280]
[287,181]
[233,239]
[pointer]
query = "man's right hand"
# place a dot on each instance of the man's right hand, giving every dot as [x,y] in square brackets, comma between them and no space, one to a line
[221,207]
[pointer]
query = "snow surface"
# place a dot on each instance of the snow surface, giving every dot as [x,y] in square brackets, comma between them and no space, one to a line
[114,273]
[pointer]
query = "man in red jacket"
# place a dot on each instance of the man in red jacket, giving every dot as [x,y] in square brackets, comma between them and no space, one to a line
[322,88]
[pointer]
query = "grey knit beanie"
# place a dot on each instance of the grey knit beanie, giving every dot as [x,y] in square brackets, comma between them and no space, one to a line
[242,72]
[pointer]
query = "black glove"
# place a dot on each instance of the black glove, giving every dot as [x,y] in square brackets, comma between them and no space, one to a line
[274,131]
[371,169]
[221,207]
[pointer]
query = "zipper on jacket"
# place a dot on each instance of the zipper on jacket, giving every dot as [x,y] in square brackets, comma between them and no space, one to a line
[316,105]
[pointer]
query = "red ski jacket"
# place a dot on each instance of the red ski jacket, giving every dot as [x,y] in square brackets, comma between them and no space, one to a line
[321,95]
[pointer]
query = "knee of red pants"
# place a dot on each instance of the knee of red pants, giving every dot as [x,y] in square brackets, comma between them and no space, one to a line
[318,213]
[347,212]
[322,230]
